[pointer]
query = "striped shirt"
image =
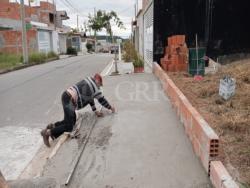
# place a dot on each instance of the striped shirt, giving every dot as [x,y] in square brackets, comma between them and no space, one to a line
[87,90]
[73,93]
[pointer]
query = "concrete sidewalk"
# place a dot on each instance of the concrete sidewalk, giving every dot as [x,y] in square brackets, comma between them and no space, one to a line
[143,145]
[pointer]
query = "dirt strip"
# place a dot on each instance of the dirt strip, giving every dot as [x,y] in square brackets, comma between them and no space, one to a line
[230,119]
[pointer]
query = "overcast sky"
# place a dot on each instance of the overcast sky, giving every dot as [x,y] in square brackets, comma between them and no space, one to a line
[124,9]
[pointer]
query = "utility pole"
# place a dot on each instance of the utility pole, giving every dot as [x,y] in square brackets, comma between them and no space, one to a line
[24,34]
[54,14]
[135,11]
[95,31]
[77,21]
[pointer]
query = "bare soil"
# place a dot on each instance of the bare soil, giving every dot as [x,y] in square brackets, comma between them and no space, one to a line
[230,119]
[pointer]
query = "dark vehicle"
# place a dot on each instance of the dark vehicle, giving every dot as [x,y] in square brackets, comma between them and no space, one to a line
[104,50]
[114,49]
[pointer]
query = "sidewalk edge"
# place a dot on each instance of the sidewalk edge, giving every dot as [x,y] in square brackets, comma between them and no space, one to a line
[107,69]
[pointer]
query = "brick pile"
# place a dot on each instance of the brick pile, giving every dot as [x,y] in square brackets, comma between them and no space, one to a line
[176,55]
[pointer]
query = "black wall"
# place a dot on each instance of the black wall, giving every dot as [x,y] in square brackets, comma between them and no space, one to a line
[223,26]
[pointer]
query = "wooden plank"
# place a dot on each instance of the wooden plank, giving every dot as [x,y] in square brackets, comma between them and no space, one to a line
[63,138]
[79,154]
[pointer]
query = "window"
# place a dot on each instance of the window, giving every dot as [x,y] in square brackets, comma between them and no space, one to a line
[51,18]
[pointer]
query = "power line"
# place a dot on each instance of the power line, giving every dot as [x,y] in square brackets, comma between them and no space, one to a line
[71,5]
[74,9]
[124,10]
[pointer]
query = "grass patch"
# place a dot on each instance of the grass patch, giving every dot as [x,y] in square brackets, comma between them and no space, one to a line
[37,58]
[52,55]
[11,61]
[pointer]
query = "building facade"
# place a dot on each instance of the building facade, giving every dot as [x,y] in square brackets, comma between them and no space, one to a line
[43,25]
[143,29]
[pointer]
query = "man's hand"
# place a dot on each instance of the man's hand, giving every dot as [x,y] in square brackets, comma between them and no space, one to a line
[99,114]
[113,109]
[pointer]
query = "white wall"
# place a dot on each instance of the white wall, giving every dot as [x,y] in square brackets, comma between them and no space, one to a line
[55,42]
[138,6]
[62,43]
[84,49]
[140,34]
[148,34]
[44,41]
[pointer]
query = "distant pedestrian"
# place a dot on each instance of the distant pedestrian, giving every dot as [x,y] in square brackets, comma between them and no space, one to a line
[74,98]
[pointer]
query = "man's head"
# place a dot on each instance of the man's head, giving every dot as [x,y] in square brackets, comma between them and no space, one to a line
[98,80]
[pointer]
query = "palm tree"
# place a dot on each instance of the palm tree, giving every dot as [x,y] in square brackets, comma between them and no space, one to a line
[107,19]
[103,20]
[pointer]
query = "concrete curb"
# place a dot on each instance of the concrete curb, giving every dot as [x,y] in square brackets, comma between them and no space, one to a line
[107,69]
[204,140]
[36,166]
[219,176]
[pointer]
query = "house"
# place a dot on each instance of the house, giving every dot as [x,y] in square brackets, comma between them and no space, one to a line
[221,26]
[138,28]
[75,40]
[143,29]
[43,23]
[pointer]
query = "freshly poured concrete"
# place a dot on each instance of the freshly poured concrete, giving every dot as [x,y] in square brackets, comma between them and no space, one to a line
[143,145]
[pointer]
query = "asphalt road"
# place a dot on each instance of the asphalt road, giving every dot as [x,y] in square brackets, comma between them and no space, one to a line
[32,97]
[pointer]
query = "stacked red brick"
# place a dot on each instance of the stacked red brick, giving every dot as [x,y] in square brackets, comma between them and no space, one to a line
[176,55]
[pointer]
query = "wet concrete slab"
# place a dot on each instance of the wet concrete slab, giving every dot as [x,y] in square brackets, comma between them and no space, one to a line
[34,183]
[60,165]
[143,145]
[14,157]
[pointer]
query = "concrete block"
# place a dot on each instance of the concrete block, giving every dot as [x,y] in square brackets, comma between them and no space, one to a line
[219,176]
[227,88]
[229,184]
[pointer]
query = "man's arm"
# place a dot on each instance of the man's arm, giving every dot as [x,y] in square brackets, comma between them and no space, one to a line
[103,101]
[92,104]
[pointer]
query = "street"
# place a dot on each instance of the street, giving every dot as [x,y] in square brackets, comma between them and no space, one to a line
[30,99]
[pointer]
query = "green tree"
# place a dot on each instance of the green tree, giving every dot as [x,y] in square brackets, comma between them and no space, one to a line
[107,21]
[104,20]
[96,22]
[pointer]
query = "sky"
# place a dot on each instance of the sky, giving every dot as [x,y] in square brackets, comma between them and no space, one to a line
[124,9]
